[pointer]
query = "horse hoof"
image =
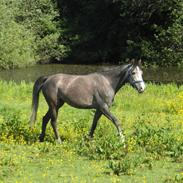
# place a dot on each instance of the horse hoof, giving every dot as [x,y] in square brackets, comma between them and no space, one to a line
[122,137]
[41,139]
[89,138]
[58,141]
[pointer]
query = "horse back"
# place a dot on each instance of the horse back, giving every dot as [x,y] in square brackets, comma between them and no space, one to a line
[79,90]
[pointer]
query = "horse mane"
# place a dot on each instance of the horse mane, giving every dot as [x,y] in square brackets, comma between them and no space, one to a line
[118,68]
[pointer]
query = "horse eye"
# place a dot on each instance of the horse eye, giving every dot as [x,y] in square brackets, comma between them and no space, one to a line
[133,73]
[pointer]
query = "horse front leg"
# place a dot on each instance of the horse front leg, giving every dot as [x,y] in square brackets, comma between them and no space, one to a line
[115,121]
[105,110]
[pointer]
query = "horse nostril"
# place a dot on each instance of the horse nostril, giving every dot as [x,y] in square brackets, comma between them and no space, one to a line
[141,90]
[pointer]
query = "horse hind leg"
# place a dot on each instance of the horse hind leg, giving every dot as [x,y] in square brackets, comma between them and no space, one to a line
[54,114]
[45,121]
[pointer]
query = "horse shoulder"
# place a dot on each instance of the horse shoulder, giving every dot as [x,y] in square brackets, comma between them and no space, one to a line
[105,90]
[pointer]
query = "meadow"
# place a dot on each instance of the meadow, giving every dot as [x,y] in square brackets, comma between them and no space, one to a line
[152,122]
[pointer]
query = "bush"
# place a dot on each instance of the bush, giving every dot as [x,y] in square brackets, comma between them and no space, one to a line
[106,147]
[159,140]
[42,18]
[16,43]
[111,31]
[13,129]
[30,32]
[177,179]
[129,164]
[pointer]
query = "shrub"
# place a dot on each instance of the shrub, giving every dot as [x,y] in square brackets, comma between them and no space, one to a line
[107,147]
[177,179]
[13,129]
[16,42]
[30,32]
[129,164]
[160,140]
[42,18]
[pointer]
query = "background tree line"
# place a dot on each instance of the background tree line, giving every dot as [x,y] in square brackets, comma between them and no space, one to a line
[92,31]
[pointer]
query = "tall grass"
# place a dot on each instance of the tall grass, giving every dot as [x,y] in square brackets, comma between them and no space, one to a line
[152,122]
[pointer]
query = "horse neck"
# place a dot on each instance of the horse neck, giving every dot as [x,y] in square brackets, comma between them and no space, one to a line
[117,77]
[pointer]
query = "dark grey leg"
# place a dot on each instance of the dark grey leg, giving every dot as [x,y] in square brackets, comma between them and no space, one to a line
[115,121]
[94,124]
[111,117]
[105,110]
[54,124]
[46,119]
[54,115]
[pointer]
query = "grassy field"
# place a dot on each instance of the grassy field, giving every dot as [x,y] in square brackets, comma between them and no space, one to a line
[152,121]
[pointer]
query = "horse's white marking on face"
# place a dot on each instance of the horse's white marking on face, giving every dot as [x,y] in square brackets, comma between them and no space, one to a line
[137,76]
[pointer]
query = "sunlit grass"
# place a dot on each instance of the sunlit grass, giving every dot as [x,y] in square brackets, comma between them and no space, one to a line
[152,122]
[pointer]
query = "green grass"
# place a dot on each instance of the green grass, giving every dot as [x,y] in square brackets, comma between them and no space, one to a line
[152,121]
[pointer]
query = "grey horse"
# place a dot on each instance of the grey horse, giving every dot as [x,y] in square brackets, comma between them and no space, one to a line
[92,91]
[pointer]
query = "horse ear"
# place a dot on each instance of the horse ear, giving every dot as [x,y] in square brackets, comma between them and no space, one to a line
[136,62]
[132,61]
[139,62]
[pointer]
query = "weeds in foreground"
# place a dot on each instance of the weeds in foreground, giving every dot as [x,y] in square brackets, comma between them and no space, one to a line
[129,164]
[177,179]
[151,134]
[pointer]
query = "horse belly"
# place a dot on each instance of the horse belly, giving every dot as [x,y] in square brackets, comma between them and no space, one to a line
[78,98]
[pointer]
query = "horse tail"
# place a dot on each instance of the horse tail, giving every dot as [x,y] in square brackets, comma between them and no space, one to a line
[35,98]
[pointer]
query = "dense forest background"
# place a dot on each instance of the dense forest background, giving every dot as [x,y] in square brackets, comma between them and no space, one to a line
[90,31]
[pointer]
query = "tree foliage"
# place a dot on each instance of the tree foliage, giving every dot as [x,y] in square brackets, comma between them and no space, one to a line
[42,18]
[90,31]
[29,32]
[112,30]
[16,43]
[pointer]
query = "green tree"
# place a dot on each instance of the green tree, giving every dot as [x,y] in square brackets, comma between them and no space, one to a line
[112,30]
[16,43]
[30,32]
[42,18]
